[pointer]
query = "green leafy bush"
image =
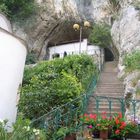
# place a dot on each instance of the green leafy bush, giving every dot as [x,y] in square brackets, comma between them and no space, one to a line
[100,35]
[21,130]
[52,83]
[18,9]
[31,58]
[132,61]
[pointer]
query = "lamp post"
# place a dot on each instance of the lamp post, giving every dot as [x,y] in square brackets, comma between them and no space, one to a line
[77,27]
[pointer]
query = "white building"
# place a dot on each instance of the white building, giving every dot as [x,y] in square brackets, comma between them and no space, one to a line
[12,60]
[76,48]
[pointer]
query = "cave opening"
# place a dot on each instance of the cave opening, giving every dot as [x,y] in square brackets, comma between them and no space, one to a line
[108,55]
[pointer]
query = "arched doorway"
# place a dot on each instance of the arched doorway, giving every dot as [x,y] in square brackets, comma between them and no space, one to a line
[108,55]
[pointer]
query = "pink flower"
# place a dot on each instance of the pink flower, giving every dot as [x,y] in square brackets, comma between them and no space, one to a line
[90,126]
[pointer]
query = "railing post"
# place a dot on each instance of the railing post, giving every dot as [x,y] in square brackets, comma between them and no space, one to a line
[97,104]
[134,108]
[57,117]
[110,106]
[122,101]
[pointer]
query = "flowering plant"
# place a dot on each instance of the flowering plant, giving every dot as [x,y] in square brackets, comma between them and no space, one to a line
[21,129]
[98,122]
[116,124]
[121,128]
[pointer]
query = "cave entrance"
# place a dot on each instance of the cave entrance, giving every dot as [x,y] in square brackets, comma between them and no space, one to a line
[108,55]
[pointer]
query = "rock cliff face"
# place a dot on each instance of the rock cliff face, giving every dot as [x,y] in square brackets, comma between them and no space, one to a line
[54,20]
[126,30]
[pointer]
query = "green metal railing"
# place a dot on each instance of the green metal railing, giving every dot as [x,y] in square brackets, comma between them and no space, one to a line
[66,118]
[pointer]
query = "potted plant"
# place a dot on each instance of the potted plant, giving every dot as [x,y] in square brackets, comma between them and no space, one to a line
[103,125]
[97,124]
[90,121]
[122,128]
[66,133]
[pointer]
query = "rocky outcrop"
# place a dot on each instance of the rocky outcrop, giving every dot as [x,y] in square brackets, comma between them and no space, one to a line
[126,30]
[54,20]
[126,36]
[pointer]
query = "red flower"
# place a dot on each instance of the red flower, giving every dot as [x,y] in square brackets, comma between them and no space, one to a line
[93,116]
[104,117]
[117,121]
[117,131]
[123,124]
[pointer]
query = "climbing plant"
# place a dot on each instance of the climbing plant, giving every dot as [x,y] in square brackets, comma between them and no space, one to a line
[100,35]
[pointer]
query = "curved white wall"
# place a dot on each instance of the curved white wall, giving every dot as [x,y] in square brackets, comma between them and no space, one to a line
[12,61]
[5,24]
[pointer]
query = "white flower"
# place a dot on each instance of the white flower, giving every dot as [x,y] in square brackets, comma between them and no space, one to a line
[2,122]
[36,131]
[27,128]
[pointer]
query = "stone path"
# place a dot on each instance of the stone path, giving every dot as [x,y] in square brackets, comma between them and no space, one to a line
[110,86]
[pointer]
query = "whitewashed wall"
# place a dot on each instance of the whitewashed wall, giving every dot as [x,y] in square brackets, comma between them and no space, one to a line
[5,24]
[73,48]
[12,60]
[69,48]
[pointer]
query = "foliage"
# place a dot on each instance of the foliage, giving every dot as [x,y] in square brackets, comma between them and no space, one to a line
[116,123]
[3,9]
[97,122]
[132,61]
[21,130]
[121,128]
[18,9]
[100,35]
[52,83]
[31,58]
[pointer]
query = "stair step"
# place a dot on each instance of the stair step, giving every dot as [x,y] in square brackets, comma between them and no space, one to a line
[98,90]
[108,86]
[105,103]
[109,94]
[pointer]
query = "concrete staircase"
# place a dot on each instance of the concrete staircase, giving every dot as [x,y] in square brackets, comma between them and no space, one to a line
[109,86]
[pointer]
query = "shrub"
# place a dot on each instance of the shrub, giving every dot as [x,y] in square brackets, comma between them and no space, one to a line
[31,58]
[100,35]
[132,61]
[52,83]
[21,130]
[18,9]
